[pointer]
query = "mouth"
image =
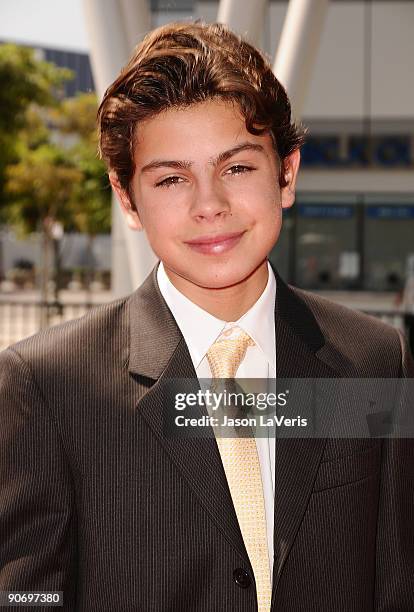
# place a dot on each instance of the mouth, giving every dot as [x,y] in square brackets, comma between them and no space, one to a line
[215,245]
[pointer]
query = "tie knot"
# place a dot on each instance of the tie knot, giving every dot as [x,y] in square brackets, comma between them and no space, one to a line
[225,356]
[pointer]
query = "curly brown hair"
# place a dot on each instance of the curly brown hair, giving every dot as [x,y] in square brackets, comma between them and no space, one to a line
[180,64]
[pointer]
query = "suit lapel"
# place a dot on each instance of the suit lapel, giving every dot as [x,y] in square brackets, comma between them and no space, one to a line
[299,341]
[158,356]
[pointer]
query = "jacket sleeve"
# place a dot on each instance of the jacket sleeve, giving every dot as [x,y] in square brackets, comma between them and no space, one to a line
[37,517]
[394,590]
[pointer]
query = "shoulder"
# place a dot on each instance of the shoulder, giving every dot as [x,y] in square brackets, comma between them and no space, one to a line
[364,340]
[79,341]
[337,321]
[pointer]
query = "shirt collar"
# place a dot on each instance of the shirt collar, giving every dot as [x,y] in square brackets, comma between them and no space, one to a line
[201,329]
[259,320]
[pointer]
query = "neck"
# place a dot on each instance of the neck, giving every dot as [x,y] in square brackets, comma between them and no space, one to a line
[227,303]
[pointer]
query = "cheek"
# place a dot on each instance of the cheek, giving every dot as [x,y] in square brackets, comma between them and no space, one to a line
[267,210]
[162,227]
[153,212]
[269,220]
[261,196]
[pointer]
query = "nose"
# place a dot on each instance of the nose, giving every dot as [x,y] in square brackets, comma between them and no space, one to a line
[209,203]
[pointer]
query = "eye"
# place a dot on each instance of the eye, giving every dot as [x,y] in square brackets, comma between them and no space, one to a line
[169,181]
[239,169]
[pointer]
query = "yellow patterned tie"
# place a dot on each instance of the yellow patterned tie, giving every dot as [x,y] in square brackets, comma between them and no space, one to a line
[242,467]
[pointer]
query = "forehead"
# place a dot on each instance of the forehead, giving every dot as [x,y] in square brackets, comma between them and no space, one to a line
[193,132]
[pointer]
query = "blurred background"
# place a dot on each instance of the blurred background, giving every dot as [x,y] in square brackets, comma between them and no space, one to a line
[348,67]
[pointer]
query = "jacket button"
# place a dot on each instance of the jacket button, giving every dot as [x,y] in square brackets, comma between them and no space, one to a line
[241,578]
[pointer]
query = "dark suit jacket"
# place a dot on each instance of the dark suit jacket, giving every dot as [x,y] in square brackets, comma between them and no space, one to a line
[97,501]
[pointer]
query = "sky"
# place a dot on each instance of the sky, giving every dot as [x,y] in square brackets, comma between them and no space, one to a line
[57,24]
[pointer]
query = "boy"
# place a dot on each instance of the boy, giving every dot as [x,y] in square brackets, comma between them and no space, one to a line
[96,499]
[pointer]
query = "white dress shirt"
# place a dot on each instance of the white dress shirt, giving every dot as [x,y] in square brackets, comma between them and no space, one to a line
[201,329]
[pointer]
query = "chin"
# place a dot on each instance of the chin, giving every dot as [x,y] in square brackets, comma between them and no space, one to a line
[220,279]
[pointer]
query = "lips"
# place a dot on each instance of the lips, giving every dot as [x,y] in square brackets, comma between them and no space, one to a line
[215,245]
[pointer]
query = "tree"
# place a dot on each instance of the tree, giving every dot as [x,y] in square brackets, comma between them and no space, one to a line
[40,185]
[54,175]
[91,201]
[24,81]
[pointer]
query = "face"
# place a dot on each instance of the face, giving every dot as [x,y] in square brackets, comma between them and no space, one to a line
[207,194]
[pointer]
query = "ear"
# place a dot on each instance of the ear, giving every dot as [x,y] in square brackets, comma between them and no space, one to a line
[128,209]
[290,170]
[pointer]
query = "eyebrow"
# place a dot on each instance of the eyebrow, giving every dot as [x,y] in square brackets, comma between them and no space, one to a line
[185,165]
